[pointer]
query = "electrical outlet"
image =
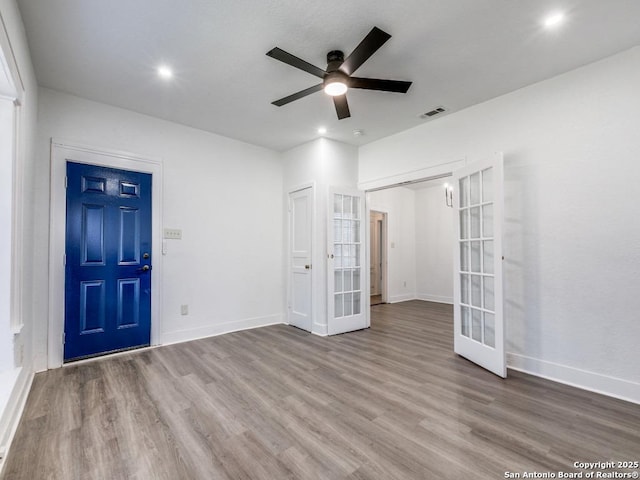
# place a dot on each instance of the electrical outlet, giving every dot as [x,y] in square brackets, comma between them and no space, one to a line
[184,309]
[173,233]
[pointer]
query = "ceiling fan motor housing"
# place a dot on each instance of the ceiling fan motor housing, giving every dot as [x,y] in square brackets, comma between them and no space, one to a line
[335,58]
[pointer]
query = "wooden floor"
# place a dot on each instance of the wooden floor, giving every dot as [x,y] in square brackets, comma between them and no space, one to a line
[390,402]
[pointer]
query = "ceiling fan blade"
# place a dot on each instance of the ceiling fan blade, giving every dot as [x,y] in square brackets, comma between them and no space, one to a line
[296,62]
[297,95]
[377,84]
[367,47]
[342,107]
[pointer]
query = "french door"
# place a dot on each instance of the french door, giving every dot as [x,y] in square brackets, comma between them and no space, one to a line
[478,311]
[346,280]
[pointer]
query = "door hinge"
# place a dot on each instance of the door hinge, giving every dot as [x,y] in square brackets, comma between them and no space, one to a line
[66,181]
[64,338]
[64,259]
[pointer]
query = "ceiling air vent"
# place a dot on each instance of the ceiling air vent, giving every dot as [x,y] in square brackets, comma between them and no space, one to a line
[433,113]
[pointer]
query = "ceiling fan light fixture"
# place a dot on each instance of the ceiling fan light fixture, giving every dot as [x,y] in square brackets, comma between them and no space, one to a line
[335,88]
[335,83]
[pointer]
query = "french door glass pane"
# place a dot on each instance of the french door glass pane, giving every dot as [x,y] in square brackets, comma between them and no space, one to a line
[487,261]
[337,254]
[488,293]
[487,220]
[476,324]
[338,306]
[474,196]
[476,266]
[465,321]
[464,224]
[476,289]
[346,205]
[487,185]
[347,280]
[489,330]
[464,256]
[356,304]
[337,282]
[337,231]
[464,289]
[475,222]
[337,206]
[464,192]
[356,279]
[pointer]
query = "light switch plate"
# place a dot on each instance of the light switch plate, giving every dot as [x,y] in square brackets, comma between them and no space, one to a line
[173,233]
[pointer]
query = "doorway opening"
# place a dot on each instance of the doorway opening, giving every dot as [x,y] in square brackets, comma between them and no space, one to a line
[411,230]
[378,257]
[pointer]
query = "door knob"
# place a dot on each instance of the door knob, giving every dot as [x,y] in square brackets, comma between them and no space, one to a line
[145,268]
[307,267]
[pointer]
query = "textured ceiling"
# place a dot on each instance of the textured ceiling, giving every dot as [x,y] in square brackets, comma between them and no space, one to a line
[457,53]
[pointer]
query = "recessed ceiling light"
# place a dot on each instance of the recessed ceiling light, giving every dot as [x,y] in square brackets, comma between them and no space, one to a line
[554,20]
[322,130]
[165,72]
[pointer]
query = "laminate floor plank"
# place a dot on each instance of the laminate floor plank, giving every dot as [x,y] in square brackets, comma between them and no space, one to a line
[389,402]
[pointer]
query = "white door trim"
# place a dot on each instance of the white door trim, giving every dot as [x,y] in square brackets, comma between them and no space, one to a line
[57,229]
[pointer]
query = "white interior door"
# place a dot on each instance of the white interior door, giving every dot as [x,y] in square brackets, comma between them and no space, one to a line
[346,281]
[478,309]
[300,211]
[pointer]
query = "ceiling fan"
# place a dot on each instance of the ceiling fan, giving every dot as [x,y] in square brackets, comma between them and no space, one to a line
[337,79]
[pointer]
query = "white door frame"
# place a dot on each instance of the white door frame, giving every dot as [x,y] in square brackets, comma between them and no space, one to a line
[383,251]
[442,170]
[57,233]
[312,223]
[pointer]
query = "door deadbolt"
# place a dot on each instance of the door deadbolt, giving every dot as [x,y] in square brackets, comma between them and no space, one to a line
[145,255]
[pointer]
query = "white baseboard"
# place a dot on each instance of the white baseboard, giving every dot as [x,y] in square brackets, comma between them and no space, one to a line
[319,329]
[15,385]
[594,382]
[401,298]
[434,298]
[220,328]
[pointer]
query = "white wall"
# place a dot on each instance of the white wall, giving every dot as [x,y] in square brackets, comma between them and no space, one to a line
[434,248]
[399,204]
[572,242]
[323,163]
[225,195]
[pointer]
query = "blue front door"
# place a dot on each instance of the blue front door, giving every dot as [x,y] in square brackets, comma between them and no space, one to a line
[108,260]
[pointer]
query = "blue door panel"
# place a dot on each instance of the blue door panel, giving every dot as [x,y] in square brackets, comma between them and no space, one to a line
[108,242]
